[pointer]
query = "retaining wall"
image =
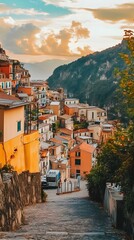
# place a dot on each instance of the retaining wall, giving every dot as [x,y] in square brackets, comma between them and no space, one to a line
[17,191]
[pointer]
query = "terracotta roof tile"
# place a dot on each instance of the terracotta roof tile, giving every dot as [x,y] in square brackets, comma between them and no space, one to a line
[85,147]
[81,130]
[66,131]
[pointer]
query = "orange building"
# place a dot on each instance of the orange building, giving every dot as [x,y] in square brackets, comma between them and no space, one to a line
[18,149]
[55,107]
[71,109]
[81,157]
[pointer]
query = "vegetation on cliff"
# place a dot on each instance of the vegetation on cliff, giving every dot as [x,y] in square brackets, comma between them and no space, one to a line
[92,78]
[116,157]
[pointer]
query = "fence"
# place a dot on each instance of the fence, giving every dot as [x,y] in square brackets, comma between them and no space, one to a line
[68,187]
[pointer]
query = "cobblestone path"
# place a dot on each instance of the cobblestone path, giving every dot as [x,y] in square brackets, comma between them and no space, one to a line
[65,217]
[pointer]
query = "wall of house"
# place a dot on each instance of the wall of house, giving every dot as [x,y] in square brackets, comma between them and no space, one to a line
[27,90]
[1,124]
[70,110]
[82,111]
[64,169]
[97,115]
[96,130]
[11,117]
[16,192]
[55,109]
[31,151]
[12,152]
[86,163]
[5,69]
[22,152]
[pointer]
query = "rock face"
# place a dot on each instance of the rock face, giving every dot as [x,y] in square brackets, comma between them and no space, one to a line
[17,191]
[91,78]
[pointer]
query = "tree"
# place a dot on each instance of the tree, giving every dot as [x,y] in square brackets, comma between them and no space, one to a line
[116,158]
[127,74]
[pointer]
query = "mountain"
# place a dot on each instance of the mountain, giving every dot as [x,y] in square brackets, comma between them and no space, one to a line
[91,78]
[42,70]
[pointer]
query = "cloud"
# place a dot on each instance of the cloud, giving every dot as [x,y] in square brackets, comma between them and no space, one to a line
[21,39]
[30,40]
[61,3]
[4,9]
[60,44]
[9,20]
[120,12]
[28,12]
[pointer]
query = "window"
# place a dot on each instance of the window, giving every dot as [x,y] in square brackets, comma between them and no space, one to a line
[91,135]
[77,173]
[18,126]
[77,154]
[92,115]
[77,162]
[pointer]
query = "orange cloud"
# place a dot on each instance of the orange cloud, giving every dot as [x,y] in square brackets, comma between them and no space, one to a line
[23,40]
[121,12]
[59,44]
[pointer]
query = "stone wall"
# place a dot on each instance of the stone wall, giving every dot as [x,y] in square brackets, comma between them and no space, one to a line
[114,204]
[17,191]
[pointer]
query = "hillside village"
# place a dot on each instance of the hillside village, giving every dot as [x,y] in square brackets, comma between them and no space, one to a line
[43,129]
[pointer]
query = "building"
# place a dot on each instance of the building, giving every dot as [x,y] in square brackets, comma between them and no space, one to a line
[69,101]
[55,107]
[26,90]
[81,159]
[64,167]
[66,121]
[107,132]
[44,161]
[17,147]
[96,114]
[5,84]
[71,109]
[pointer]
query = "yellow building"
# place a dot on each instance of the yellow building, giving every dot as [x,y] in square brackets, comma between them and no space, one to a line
[18,149]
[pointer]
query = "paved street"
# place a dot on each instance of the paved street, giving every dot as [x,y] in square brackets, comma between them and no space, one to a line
[65,217]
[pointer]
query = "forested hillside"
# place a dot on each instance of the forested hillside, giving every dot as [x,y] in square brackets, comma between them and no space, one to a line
[92,78]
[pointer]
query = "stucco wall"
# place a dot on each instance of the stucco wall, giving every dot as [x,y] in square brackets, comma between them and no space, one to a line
[22,152]
[11,117]
[17,191]
[84,167]
[31,151]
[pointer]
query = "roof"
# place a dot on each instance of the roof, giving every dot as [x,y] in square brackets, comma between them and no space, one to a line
[45,116]
[81,130]
[54,103]
[66,131]
[55,146]
[72,106]
[5,80]
[65,116]
[71,99]
[55,140]
[22,94]
[8,101]
[96,108]
[44,153]
[84,147]
[68,138]
[107,125]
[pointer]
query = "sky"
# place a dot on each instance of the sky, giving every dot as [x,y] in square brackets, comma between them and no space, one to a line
[58,31]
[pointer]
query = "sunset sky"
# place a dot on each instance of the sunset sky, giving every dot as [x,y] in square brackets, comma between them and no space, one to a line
[62,30]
